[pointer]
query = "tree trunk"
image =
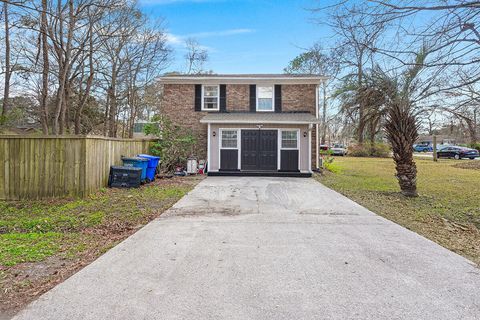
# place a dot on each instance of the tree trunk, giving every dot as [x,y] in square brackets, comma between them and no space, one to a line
[45,69]
[107,113]
[324,115]
[86,94]
[402,131]
[361,107]
[64,67]
[8,71]
[112,114]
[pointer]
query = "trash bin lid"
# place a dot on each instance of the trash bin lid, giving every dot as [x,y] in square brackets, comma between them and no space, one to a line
[149,156]
[134,159]
[126,168]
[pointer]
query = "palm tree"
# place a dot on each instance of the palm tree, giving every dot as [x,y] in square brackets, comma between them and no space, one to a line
[401,125]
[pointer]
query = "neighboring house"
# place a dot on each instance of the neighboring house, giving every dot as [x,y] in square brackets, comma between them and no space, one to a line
[252,124]
[138,128]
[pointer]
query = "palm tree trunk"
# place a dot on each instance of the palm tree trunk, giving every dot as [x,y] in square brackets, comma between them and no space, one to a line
[402,131]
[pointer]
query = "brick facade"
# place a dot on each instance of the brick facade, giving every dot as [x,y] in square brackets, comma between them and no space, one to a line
[178,103]
[298,97]
[238,97]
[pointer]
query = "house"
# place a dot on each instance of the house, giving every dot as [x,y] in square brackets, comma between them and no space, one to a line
[253,124]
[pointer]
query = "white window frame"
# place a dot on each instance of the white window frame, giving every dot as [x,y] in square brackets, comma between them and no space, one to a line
[218,97]
[281,139]
[221,139]
[273,97]
[220,147]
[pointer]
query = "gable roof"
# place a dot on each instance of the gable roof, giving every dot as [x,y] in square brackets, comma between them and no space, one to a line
[243,78]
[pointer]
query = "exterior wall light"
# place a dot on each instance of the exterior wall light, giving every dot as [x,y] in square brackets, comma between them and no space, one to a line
[214,133]
[304,134]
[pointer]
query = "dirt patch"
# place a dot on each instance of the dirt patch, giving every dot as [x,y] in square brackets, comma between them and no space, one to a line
[23,282]
[472,165]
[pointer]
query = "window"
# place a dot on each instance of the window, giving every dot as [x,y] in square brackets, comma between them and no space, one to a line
[264,98]
[210,98]
[289,139]
[229,139]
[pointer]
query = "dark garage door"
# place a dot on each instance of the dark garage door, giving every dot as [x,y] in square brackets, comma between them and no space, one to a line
[259,150]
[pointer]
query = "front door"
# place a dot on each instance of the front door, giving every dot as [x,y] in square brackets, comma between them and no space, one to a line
[259,150]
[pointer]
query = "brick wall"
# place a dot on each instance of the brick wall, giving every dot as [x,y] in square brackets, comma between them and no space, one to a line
[178,103]
[297,97]
[238,97]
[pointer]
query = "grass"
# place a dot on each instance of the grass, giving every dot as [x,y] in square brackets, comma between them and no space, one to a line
[41,226]
[447,210]
[41,242]
[28,247]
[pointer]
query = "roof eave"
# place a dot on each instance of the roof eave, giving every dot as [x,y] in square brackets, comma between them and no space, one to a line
[242,80]
[259,121]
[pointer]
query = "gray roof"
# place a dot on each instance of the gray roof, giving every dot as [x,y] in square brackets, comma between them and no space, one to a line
[260,117]
[243,78]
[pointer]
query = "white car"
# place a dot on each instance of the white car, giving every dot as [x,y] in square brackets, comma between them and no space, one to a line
[339,150]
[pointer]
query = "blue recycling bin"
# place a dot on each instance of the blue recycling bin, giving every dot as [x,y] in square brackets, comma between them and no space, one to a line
[152,165]
[137,162]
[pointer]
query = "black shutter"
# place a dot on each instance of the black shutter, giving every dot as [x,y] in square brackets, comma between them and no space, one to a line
[198,97]
[278,98]
[223,98]
[253,98]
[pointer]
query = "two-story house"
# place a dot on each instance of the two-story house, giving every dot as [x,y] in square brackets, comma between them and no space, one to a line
[248,124]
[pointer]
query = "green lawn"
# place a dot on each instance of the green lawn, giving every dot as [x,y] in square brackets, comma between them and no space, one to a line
[447,210]
[42,241]
[33,230]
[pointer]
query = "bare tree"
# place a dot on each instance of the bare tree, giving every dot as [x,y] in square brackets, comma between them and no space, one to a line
[357,31]
[45,68]
[8,70]
[316,61]
[196,56]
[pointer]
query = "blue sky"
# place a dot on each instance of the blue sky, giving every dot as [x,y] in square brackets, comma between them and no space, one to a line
[242,36]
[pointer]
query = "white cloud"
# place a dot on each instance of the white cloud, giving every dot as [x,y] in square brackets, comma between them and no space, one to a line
[177,39]
[173,39]
[229,32]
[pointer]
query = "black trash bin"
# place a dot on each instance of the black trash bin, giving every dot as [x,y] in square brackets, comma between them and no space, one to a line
[125,177]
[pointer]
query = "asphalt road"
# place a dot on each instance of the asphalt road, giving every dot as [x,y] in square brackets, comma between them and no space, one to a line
[430,156]
[268,248]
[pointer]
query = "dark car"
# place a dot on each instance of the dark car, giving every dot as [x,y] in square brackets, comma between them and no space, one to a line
[458,153]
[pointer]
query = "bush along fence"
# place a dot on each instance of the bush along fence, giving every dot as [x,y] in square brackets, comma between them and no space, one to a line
[34,167]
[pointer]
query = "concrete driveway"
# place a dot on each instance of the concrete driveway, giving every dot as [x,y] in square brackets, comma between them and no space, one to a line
[268,248]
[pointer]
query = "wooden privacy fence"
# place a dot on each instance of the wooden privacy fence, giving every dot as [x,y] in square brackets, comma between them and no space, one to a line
[50,166]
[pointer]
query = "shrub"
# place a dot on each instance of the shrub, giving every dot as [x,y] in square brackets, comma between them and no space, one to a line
[475,146]
[380,150]
[174,144]
[377,150]
[327,159]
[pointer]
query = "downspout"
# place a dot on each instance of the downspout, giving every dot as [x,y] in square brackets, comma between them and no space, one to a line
[317,151]
[208,148]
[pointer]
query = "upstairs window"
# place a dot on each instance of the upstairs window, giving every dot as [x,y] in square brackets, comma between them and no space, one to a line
[210,97]
[264,98]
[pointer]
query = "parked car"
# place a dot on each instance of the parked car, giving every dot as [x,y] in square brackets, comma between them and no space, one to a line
[423,147]
[458,152]
[339,150]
